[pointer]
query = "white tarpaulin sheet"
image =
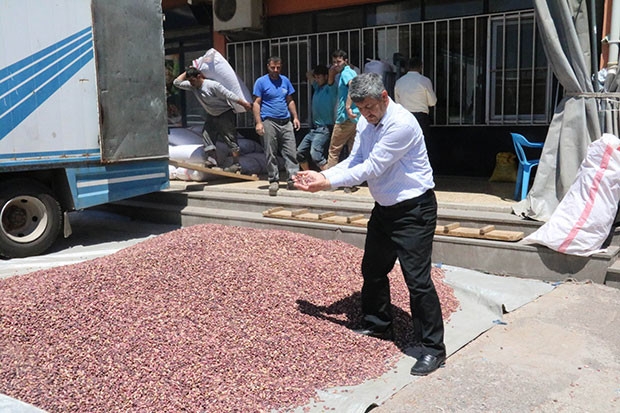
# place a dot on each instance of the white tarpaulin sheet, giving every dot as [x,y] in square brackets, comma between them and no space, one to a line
[483,299]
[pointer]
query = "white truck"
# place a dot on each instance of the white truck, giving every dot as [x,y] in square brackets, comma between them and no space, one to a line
[82,112]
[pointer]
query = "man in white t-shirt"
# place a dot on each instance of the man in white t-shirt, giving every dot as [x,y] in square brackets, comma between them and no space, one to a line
[415,92]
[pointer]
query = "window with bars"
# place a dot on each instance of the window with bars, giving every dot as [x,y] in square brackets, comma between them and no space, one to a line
[519,76]
[486,69]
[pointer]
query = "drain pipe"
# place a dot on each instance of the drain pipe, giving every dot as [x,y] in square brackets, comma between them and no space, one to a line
[614,35]
[612,80]
[593,45]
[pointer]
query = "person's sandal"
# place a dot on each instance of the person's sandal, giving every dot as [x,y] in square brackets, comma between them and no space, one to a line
[210,162]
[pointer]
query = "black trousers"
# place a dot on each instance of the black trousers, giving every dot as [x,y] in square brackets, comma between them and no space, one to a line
[404,231]
[425,123]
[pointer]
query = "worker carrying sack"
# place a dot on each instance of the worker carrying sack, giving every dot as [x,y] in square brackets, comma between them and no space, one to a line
[582,221]
[214,66]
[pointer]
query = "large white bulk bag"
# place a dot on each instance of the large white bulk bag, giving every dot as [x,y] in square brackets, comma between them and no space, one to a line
[182,136]
[188,153]
[185,174]
[214,66]
[582,221]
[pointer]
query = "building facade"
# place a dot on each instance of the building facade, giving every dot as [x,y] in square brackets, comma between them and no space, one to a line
[485,60]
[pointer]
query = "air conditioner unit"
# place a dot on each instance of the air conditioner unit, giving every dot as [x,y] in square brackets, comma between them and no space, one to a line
[230,15]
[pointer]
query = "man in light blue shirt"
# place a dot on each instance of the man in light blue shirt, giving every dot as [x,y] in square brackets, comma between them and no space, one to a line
[346,113]
[390,155]
[314,145]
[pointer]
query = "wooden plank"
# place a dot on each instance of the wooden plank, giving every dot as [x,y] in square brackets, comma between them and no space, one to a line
[299,212]
[362,222]
[450,227]
[500,235]
[308,216]
[281,214]
[272,211]
[465,232]
[497,235]
[326,214]
[218,172]
[352,218]
[336,219]
[486,229]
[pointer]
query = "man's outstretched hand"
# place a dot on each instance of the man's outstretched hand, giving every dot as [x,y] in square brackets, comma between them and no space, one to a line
[311,181]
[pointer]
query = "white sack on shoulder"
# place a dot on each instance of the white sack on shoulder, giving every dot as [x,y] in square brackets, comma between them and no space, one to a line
[582,221]
[214,66]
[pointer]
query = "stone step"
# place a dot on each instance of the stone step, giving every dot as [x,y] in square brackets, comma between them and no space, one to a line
[256,200]
[245,208]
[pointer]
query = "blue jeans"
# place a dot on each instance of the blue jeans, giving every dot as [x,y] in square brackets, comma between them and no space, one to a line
[314,146]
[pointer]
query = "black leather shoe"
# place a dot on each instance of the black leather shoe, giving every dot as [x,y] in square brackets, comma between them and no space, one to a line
[427,364]
[387,334]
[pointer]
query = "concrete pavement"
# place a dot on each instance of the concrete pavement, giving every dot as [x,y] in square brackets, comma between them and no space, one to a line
[559,353]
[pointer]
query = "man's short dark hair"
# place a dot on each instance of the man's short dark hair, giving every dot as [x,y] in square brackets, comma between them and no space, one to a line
[340,53]
[275,59]
[415,63]
[192,72]
[320,70]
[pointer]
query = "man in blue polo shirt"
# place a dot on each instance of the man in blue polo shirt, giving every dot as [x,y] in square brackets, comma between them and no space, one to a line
[273,109]
[314,145]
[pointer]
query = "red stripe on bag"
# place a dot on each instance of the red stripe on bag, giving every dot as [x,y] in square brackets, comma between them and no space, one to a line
[596,183]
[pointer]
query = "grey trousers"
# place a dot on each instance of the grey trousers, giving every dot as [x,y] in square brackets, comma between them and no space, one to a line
[222,127]
[279,139]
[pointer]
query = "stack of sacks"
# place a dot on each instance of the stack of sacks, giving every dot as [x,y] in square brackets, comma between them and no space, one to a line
[186,145]
[252,155]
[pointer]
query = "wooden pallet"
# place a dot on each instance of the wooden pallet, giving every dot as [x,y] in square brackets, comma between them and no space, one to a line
[219,172]
[454,229]
[487,232]
[329,217]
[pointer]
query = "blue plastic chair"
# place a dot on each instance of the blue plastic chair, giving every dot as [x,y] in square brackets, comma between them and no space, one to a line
[525,165]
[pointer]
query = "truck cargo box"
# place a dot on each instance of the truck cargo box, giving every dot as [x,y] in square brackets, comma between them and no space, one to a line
[83,117]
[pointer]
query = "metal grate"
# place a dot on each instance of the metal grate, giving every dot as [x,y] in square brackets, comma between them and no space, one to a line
[487,69]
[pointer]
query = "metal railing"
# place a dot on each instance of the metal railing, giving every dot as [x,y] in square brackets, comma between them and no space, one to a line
[486,69]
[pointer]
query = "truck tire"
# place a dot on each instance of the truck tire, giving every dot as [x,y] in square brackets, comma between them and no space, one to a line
[30,218]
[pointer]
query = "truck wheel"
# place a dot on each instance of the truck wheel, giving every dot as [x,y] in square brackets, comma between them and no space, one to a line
[30,218]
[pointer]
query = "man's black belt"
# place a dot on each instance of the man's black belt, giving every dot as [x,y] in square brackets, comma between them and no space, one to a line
[408,203]
[280,122]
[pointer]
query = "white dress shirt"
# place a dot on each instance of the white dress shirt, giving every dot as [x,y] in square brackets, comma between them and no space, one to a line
[415,92]
[391,157]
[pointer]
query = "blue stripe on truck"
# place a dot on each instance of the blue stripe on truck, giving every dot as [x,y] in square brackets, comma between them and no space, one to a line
[17,73]
[99,185]
[22,100]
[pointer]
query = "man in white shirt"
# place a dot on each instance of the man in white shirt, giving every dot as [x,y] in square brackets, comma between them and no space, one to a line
[415,92]
[390,155]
